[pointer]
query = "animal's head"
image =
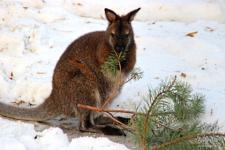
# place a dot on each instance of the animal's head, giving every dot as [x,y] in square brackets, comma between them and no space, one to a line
[119,30]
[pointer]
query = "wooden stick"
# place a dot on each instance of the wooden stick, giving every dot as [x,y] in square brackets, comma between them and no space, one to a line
[108,112]
[110,98]
[124,126]
[105,110]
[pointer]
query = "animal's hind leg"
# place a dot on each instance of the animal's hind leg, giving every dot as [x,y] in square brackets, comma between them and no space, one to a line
[80,90]
[85,121]
[87,117]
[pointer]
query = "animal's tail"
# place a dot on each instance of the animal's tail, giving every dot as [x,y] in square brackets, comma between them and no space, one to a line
[40,113]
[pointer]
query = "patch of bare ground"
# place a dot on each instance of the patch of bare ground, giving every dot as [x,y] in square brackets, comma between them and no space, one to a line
[125,140]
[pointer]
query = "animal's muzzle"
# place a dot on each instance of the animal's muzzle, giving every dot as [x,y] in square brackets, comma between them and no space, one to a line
[120,48]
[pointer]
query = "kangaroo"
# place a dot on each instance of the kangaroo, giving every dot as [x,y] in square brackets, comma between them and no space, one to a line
[79,76]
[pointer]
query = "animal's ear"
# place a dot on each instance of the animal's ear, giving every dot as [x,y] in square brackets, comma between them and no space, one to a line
[110,15]
[130,16]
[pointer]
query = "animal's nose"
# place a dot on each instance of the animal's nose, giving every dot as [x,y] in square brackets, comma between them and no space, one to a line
[120,48]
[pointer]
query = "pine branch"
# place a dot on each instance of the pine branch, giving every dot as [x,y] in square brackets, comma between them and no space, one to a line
[111,66]
[113,62]
[110,97]
[119,58]
[120,123]
[158,97]
[187,138]
[172,114]
[163,125]
[135,74]
[155,100]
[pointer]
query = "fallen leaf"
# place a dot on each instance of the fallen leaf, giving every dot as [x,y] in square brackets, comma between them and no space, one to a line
[184,75]
[41,73]
[209,29]
[157,78]
[11,76]
[19,102]
[192,34]
[79,4]
[203,68]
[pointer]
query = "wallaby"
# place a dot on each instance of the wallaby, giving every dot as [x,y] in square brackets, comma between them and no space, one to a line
[79,77]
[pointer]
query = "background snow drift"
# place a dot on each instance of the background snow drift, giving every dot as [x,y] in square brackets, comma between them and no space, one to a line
[35,33]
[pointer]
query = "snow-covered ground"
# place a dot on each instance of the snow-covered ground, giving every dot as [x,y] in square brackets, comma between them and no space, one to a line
[35,33]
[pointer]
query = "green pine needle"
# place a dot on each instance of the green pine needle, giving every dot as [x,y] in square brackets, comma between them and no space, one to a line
[113,61]
[172,120]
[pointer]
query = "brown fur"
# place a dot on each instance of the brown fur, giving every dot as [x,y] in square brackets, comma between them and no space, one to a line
[78,77]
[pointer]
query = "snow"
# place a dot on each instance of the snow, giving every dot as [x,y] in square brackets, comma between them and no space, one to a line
[160,10]
[35,33]
[22,136]
[94,144]
[166,47]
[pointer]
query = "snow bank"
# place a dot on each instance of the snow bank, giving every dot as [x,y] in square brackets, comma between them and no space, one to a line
[164,49]
[152,10]
[22,136]
[17,135]
[94,144]
[35,33]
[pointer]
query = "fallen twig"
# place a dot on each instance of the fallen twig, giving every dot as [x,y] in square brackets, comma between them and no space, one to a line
[105,110]
[109,113]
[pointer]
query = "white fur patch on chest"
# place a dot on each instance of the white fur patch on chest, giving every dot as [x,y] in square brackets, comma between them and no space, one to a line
[116,81]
